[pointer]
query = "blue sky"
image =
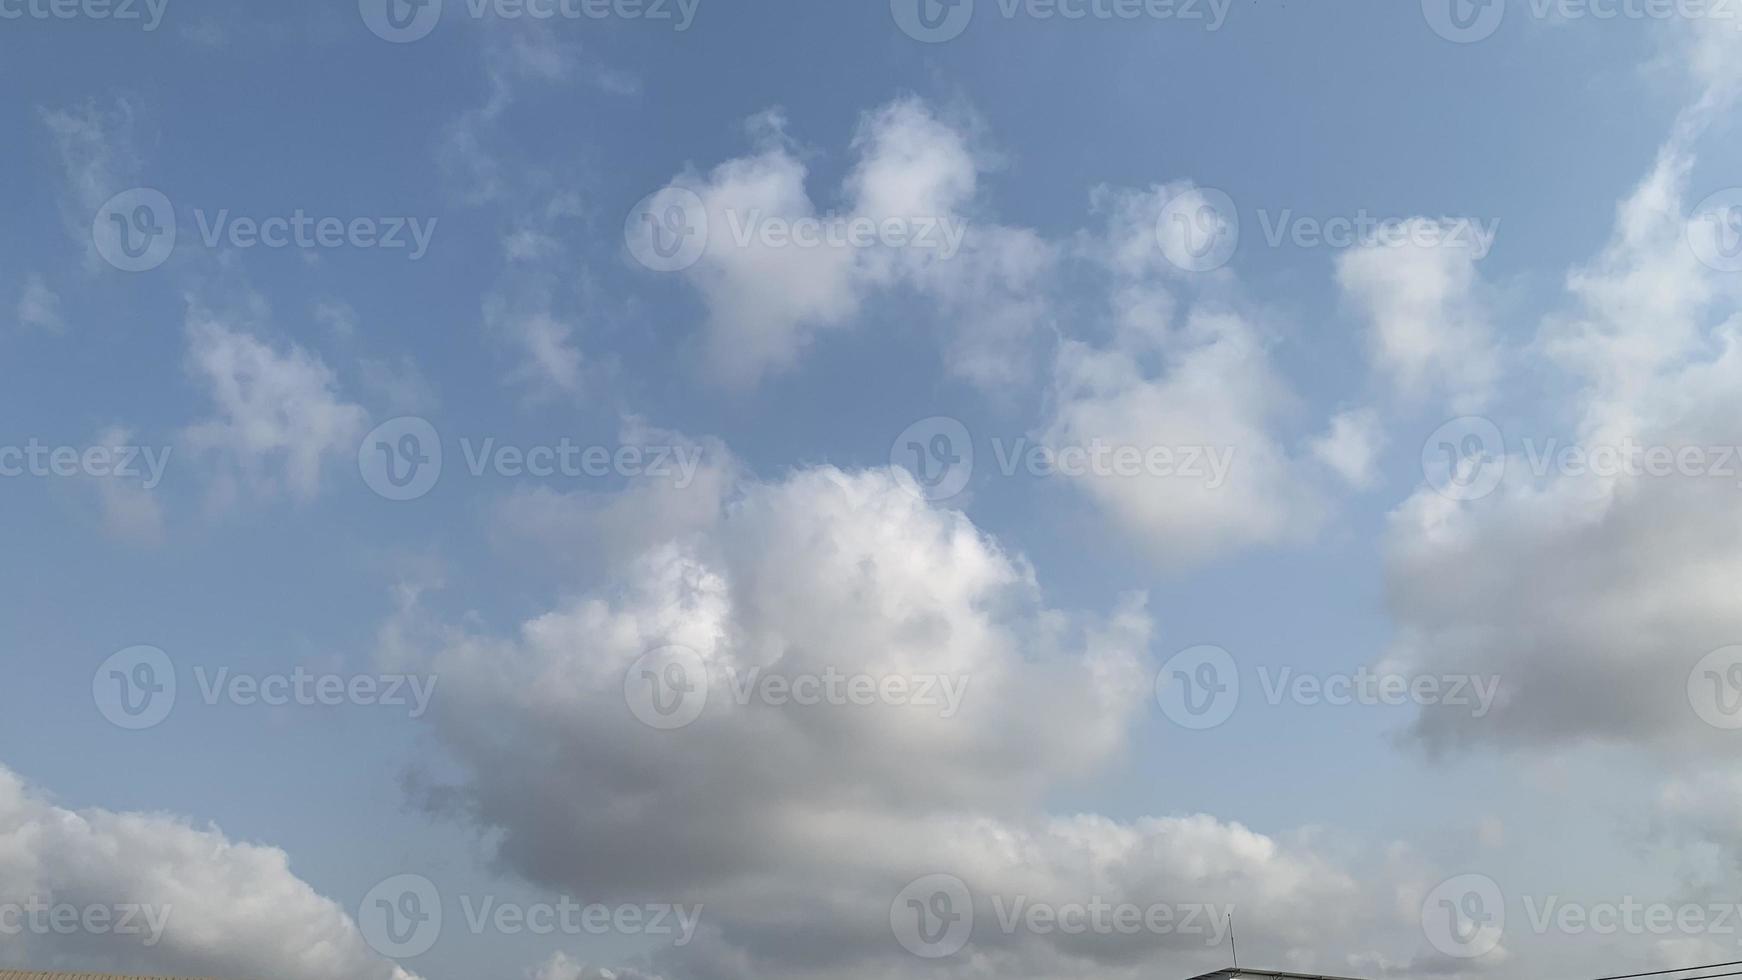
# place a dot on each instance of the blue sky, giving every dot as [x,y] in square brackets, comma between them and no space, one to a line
[528,149]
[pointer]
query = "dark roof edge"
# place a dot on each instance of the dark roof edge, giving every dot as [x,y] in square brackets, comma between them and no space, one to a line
[1229,973]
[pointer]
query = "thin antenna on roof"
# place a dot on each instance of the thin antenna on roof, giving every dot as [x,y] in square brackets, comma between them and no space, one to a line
[1233,946]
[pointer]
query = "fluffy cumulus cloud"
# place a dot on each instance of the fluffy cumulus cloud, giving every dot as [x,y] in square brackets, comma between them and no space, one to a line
[915,181]
[1428,329]
[796,825]
[1350,447]
[199,903]
[278,417]
[1179,411]
[1186,389]
[1598,582]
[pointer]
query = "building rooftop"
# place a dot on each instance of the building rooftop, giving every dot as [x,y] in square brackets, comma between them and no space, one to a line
[1236,973]
[33,975]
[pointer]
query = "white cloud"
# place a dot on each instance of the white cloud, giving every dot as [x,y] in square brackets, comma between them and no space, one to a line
[39,306]
[1428,325]
[560,966]
[534,309]
[99,159]
[131,507]
[1351,447]
[279,417]
[797,826]
[768,303]
[1595,595]
[1202,386]
[224,908]
[585,529]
